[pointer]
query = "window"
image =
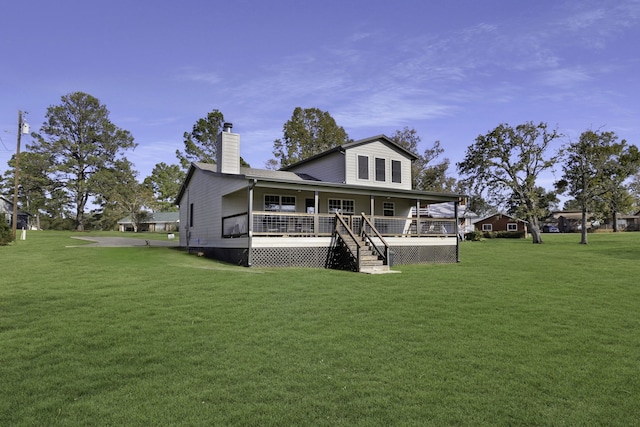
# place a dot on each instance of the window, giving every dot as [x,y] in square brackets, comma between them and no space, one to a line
[363,167]
[396,171]
[273,203]
[486,227]
[512,226]
[342,206]
[380,170]
[191,215]
[388,209]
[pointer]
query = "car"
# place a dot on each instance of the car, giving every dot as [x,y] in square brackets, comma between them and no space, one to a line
[549,228]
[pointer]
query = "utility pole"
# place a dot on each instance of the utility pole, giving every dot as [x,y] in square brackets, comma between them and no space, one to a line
[14,222]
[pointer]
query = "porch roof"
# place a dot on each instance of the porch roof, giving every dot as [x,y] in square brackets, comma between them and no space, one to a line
[299,181]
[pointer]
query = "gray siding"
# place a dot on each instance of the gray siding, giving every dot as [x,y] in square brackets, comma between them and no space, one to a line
[373,150]
[330,168]
[206,196]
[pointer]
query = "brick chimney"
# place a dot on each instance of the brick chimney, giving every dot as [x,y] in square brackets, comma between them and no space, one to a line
[228,150]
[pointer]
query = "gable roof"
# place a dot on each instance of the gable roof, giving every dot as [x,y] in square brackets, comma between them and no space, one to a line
[296,180]
[501,214]
[342,148]
[156,217]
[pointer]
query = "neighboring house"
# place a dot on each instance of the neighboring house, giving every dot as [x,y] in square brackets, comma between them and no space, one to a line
[6,210]
[348,207]
[501,222]
[159,221]
[569,221]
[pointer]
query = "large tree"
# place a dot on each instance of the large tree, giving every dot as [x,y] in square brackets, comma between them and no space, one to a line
[426,174]
[81,141]
[164,182]
[309,131]
[595,167]
[505,164]
[200,143]
[121,195]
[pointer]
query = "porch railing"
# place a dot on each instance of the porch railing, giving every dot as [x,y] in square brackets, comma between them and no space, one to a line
[278,224]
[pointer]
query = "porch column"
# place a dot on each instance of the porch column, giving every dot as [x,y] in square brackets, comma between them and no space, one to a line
[316,212]
[250,187]
[418,217]
[372,207]
[455,214]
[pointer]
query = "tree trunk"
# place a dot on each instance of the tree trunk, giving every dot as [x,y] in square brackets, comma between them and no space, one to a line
[534,229]
[615,221]
[583,228]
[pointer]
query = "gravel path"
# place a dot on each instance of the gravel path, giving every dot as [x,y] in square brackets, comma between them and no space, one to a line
[123,242]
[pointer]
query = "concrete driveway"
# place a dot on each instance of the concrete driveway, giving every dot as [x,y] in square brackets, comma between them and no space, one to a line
[123,242]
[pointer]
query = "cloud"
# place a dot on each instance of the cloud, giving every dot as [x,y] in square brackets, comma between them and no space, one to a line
[194,75]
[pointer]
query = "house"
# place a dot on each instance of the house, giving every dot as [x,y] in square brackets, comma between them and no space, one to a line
[570,221]
[501,222]
[159,221]
[6,211]
[349,207]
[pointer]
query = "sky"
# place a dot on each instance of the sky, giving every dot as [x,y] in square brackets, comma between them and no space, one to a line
[451,70]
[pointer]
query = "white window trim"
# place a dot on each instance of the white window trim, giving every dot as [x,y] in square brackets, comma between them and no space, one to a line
[399,162]
[368,158]
[375,169]
[487,227]
[512,226]
[341,209]
[279,196]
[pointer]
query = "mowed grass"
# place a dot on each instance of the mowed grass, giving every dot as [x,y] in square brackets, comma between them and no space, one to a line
[515,334]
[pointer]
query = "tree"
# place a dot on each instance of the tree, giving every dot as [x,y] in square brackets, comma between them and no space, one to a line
[34,184]
[425,175]
[165,181]
[81,141]
[121,195]
[200,143]
[596,166]
[509,159]
[309,131]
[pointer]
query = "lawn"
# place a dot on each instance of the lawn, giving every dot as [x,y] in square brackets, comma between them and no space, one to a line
[514,334]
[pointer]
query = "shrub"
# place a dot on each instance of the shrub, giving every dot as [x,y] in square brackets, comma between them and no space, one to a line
[473,236]
[510,234]
[6,236]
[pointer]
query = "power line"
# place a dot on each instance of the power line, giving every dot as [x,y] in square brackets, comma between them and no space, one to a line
[5,147]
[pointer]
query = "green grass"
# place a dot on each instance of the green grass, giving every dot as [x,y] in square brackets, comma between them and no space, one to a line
[515,334]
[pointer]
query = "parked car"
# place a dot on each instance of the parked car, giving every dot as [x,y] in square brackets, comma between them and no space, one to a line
[548,228]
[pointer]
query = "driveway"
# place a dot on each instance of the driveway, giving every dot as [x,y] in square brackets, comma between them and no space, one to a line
[123,242]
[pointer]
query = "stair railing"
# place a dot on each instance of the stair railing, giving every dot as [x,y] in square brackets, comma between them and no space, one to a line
[384,253]
[343,230]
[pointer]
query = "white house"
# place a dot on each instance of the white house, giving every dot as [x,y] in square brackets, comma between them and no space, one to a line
[349,207]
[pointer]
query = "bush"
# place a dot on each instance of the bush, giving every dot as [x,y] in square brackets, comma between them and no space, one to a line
[6,236]
[473,236]
[503,234]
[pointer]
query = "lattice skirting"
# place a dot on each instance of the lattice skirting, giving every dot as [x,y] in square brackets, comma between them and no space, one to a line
[316,257]
[289,257]
[424,255]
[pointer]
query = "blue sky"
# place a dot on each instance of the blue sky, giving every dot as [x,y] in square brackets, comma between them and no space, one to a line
[450,69]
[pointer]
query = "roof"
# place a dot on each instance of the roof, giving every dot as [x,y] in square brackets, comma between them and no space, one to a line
[501,214]
[342,148]
[156,217]
[444,210]
[266,177]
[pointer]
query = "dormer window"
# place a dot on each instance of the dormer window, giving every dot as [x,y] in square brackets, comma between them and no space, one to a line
[381,172]
[363,167]
[396,171]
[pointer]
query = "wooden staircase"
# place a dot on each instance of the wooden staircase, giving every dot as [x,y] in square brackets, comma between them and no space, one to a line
[365,252]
